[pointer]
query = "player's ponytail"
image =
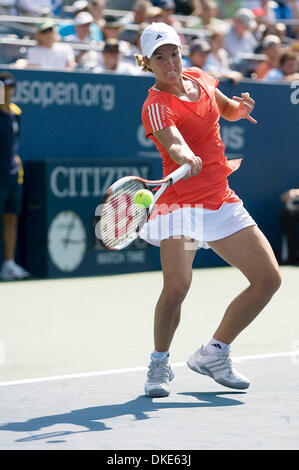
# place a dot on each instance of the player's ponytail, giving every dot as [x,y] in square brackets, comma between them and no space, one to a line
[141,63]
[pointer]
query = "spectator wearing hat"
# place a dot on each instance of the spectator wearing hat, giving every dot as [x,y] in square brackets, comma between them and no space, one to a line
[112,61]
[271,46]
[11,179]
[208,17]
[154,15]
[217,62]
[112,29]
[287,69]
[85,59]
[239,38]
[49,53]
[199,50]
[83,6]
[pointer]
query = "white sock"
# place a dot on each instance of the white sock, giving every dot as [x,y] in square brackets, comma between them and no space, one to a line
[216,347]
[158,355]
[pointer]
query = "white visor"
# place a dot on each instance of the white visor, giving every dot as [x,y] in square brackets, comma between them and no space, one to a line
[156,35]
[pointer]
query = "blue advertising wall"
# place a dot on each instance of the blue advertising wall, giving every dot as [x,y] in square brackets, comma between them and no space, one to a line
[80,115]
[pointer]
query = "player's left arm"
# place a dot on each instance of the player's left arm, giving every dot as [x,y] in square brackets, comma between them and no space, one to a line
[235,108]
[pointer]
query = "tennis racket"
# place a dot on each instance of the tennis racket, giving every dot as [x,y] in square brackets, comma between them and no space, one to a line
[120,219]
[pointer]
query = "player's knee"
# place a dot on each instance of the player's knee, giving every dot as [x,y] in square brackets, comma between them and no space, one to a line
[270,283]
[177,290]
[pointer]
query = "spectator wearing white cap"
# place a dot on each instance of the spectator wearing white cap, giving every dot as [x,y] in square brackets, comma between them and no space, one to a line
[271,46]
[239,38]
[82,22]
[83,6]
[49,53]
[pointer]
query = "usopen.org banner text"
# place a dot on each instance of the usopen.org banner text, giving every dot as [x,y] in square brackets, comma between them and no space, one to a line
[50,93]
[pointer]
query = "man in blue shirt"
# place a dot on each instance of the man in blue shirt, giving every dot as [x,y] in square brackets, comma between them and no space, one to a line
[11,178]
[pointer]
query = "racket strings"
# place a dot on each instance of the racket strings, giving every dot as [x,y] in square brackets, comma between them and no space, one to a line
[121,217]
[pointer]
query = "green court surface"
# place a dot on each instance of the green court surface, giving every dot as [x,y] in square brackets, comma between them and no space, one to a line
[69,326]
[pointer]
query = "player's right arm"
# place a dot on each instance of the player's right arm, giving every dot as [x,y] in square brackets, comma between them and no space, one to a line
[175,145]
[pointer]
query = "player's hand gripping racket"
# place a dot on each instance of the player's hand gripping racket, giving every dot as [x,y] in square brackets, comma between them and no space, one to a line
[120,218]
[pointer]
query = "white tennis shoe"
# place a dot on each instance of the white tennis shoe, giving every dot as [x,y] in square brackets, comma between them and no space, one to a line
[218,367]
[11,271]
[159,375]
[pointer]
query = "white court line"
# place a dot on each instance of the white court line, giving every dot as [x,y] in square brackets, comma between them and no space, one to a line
[135,369]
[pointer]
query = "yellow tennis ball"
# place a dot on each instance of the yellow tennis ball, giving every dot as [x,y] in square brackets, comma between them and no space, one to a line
[143,198]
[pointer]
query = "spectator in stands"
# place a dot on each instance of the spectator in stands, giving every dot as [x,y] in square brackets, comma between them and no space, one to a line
[184,7]
[112,29]
[38,7]
[96,9]
[287,69]
[140,11]
[11,179]
[83,58]
[137,17]
[239,38]
[168,10]
[199,50]
[113,62]
[208,17]
[154,14]
[82,6]
[265,11]
[217,62]
[278,29]
[271,47]
[49,53]
[289,222]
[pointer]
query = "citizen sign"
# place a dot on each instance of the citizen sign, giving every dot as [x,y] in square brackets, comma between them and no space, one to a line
[87,181]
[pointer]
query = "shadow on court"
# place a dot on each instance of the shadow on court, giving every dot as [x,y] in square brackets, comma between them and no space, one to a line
[91,418]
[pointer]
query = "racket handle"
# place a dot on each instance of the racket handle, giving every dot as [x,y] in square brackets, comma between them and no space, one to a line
[179,173]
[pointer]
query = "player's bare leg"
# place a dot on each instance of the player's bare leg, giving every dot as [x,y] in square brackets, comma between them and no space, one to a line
[177,274]
[251,253]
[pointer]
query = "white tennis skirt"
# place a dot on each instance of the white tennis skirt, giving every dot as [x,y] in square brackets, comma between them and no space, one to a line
[198,224]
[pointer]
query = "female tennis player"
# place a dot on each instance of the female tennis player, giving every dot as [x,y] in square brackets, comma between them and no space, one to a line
[180,115]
